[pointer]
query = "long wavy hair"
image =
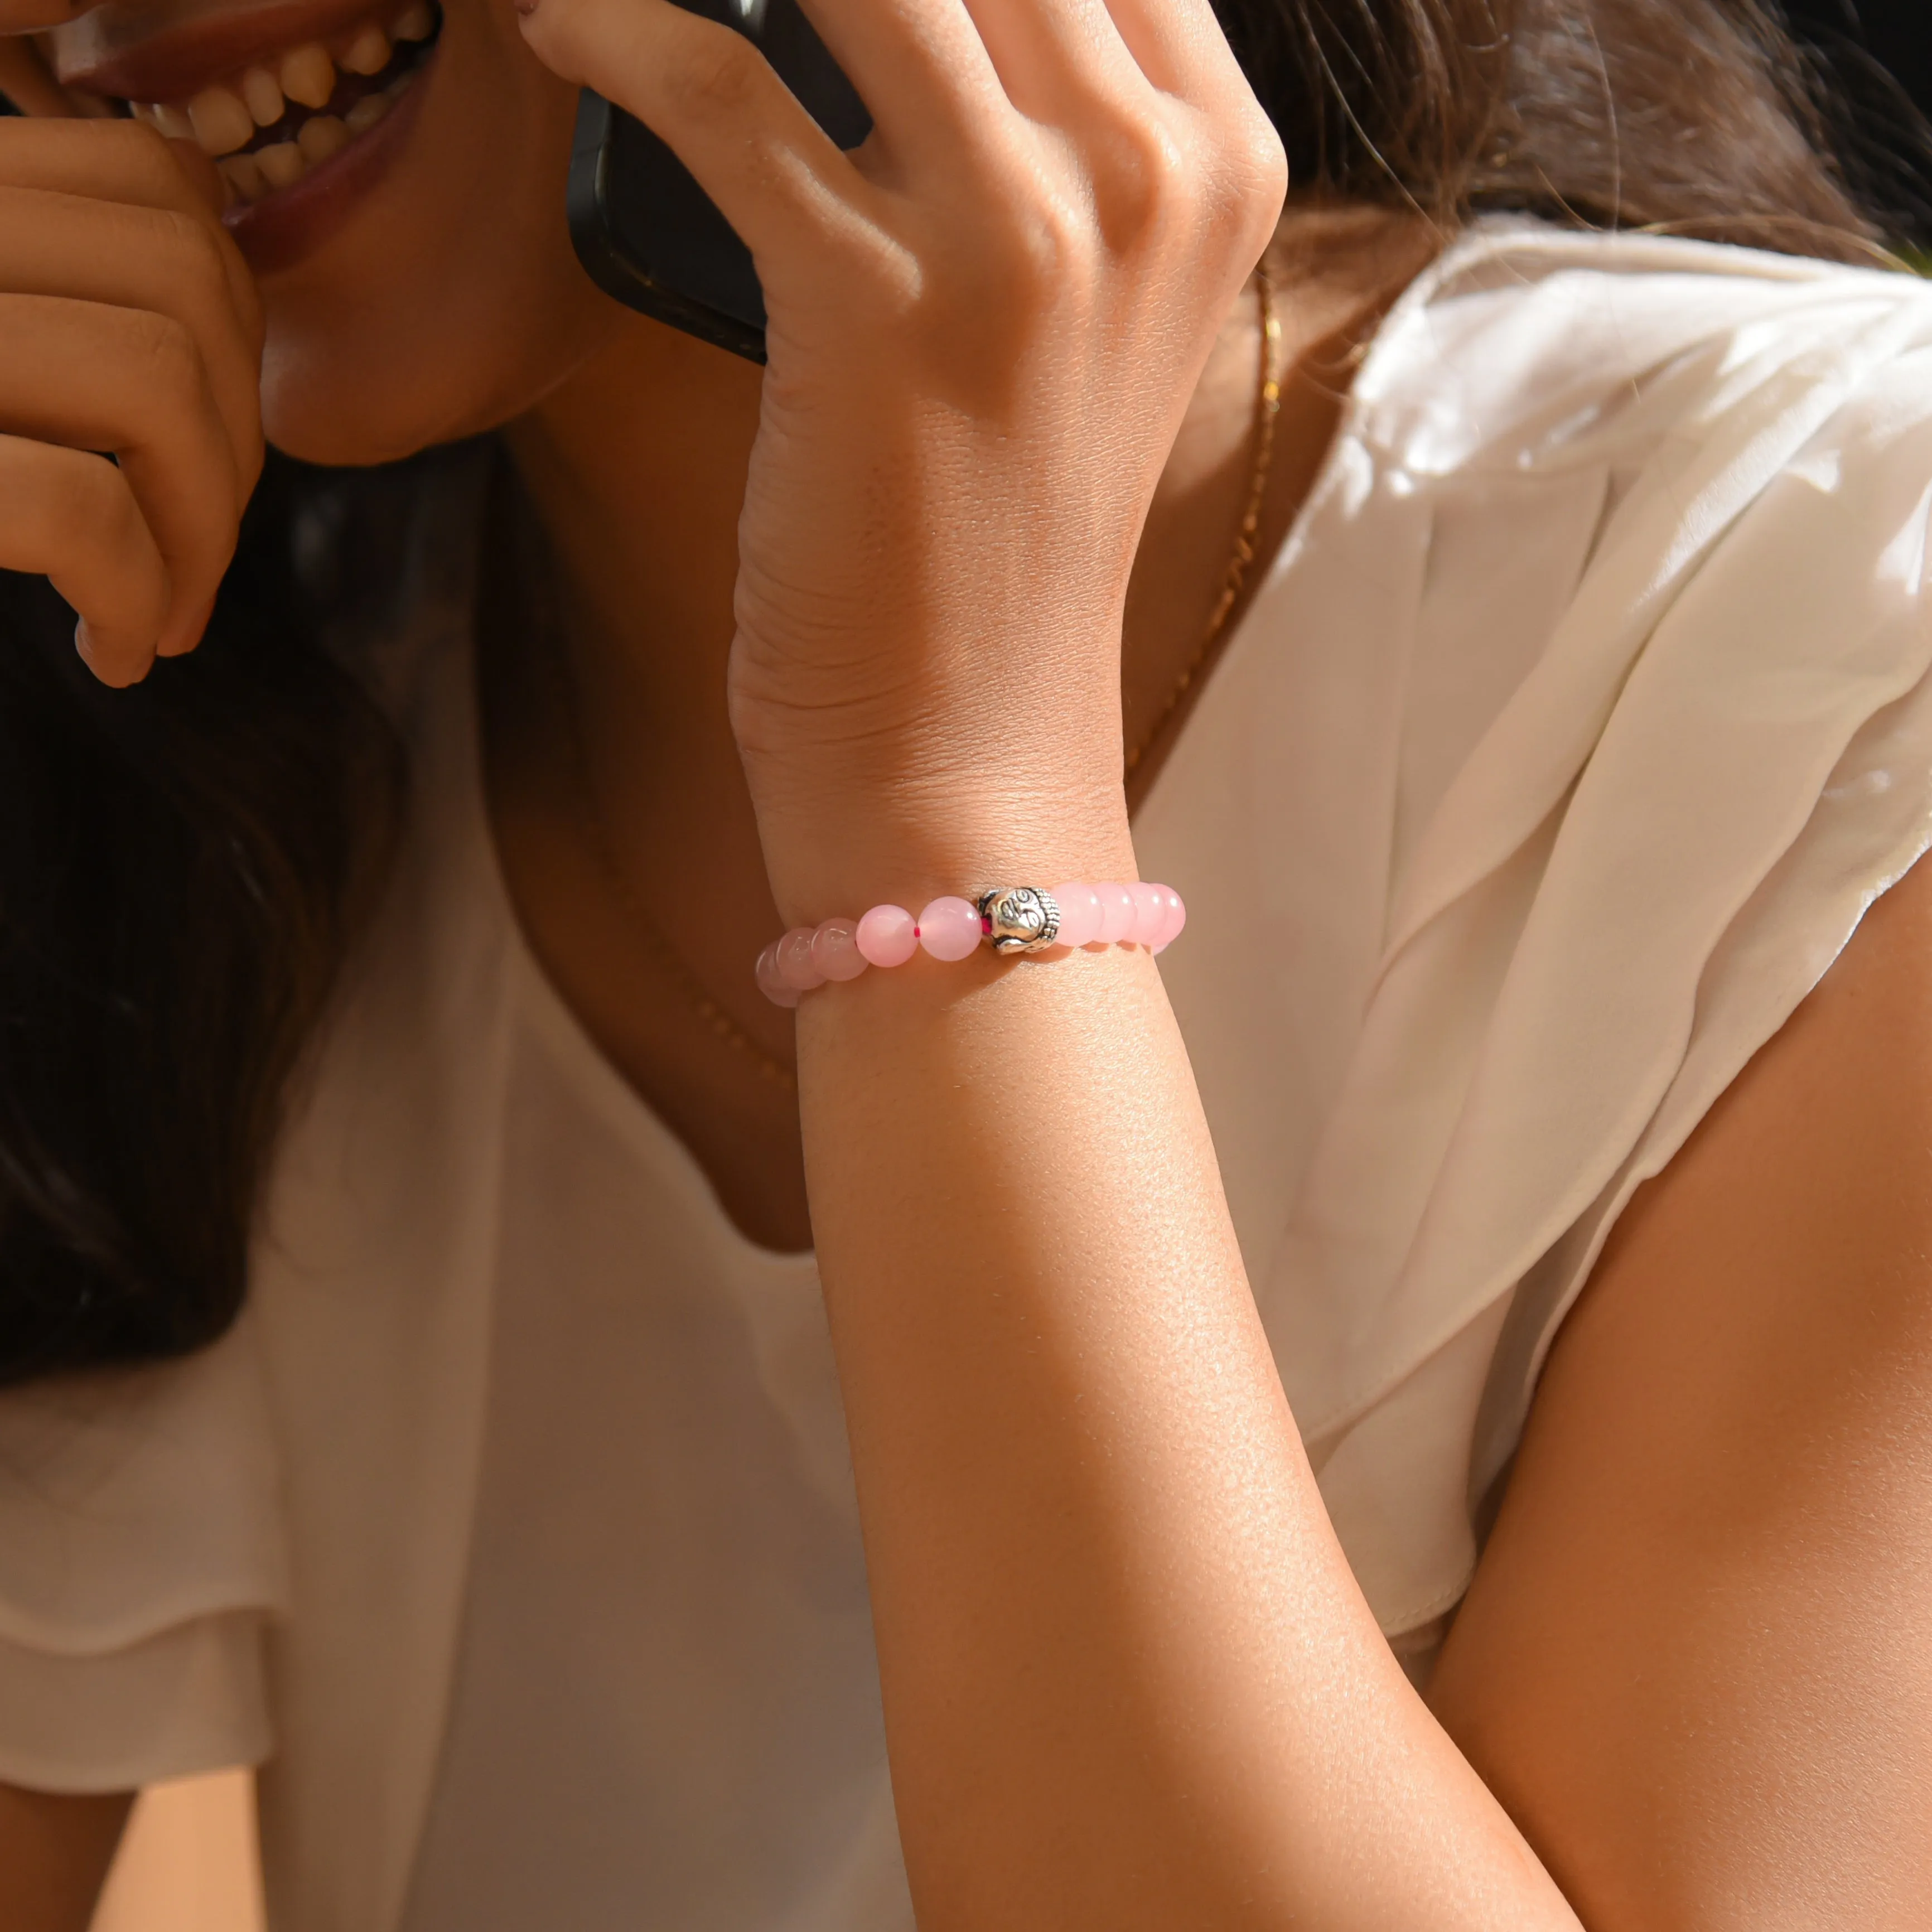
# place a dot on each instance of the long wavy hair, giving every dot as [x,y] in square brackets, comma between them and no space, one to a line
[183,866]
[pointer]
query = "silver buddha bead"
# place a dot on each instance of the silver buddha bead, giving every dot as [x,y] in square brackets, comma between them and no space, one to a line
[1020,918]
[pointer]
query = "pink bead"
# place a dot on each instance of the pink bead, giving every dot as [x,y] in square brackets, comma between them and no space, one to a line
[949,928]
[1079,913]
[1117,911]
[795,966]
[1173,917]
[887,936]
[1150,913]
[771,981]
[835,950]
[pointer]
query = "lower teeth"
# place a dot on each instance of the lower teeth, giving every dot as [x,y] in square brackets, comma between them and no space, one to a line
[251,176]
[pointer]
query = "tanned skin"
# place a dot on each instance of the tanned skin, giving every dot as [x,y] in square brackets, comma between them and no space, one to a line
[992,471]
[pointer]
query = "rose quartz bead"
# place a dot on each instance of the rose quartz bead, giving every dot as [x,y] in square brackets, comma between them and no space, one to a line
[1116,910]
[1150,913]
[834,949]
[1173,917]
[888,936]
[949,928]
[771,981]
[795,966]
[1079,913]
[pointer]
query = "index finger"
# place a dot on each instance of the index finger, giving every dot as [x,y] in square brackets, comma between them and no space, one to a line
[124,161]
[1178,44]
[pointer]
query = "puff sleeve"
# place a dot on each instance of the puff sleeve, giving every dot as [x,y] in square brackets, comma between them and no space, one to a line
[141,1558]
[1717,754]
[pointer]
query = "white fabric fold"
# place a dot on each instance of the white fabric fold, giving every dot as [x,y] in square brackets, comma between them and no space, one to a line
[1755,597]
[188,1699]
[134,1500]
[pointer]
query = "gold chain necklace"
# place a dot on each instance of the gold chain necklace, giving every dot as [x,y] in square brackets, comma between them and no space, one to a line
[1268,404]
[644,928]
[669,959]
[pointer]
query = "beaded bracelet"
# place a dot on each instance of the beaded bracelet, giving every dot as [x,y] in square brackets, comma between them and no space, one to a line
[1010,918]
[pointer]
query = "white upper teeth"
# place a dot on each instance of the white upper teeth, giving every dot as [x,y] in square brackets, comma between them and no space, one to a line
[367,53]
[223,118]
[262,94]
[221,124]
[308,75]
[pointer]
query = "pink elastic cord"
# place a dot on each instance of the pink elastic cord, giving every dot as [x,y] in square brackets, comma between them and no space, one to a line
[1107,914]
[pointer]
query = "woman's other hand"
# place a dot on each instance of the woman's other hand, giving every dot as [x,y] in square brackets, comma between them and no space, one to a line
[985,326]
[129,326]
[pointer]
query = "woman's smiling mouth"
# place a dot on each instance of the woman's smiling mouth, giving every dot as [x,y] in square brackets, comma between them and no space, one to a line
[267,126]
[280,98]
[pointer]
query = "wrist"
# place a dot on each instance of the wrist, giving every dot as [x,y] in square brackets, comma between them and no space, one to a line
[913,842]
[988,763]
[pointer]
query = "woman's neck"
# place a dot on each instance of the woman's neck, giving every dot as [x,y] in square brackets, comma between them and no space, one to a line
[636,468]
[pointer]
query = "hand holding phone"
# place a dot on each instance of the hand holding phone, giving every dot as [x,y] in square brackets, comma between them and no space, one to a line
[983,325]
[644,229]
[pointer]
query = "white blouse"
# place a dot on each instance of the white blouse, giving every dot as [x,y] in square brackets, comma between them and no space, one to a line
[1580,720]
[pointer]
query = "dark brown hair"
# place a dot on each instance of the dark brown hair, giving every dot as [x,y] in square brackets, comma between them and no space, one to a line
[1694,117]
[182,865]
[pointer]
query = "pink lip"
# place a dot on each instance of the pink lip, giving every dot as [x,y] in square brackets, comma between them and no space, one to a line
[277,232]
[180,61]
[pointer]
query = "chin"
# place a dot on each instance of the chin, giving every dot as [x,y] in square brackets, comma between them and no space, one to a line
[360,370]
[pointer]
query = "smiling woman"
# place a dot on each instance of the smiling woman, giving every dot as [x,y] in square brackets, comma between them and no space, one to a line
[1044,1437]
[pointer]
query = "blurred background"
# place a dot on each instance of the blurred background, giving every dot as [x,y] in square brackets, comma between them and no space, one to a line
[1876,58]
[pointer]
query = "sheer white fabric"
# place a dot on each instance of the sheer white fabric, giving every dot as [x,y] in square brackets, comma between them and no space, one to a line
[1568,744]
[1581,719]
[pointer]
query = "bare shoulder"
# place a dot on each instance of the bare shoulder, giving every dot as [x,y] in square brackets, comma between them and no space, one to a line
[55,1851]
[1696,1661]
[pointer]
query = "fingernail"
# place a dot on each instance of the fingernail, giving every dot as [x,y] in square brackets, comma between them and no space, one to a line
[525,8]
[83,642]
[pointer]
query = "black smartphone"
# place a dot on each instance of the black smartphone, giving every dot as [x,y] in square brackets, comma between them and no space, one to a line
[644,229]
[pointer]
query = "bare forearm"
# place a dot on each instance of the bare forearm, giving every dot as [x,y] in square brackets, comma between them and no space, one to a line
[1128,1678]
[55,1850]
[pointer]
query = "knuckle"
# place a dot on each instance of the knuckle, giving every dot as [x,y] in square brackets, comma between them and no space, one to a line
[718,74]
[1239,189]
[1256,165]
[163,354]
[85,500]
[1043,253]
[1037,234]
[1141,176]
[193,244]
[117,515]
